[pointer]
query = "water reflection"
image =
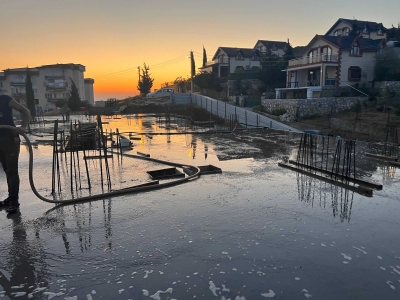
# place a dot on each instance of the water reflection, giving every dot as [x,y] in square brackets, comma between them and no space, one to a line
[311,190]
[25,262]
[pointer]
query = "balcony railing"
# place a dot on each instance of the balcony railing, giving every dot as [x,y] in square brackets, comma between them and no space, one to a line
[56,86]
[297,84]
[17,82]
[305,60]
[13,93]
[224,60]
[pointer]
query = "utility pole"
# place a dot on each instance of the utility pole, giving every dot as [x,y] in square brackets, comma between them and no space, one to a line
[192,71]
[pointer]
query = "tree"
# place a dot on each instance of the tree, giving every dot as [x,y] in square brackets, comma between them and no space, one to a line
[387,66]
[289,54]
[145,81]
[74,101]
[393,33]
[204,57]
[182,84]
[60,103]
[271,71]
[30,95]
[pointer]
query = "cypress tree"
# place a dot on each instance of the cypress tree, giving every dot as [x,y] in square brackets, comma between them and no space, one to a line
[204,57]
[74,101]
[30,95]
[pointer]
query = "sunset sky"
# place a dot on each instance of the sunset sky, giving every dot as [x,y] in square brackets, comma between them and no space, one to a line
[112,38]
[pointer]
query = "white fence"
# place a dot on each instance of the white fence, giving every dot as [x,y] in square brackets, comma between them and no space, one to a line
[244,117]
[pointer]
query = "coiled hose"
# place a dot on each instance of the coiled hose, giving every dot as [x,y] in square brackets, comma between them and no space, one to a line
[108,194]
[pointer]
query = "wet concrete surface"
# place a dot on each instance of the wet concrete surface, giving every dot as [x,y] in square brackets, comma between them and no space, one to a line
[256,231]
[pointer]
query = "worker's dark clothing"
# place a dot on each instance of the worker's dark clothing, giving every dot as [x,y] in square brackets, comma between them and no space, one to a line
[9,148]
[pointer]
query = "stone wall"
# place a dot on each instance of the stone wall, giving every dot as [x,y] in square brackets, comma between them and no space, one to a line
[310,107]
[390,86]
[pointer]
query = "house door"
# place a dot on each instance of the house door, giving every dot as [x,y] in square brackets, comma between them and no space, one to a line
[313,77]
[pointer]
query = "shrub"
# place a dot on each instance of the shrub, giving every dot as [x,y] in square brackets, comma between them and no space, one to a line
[278,111]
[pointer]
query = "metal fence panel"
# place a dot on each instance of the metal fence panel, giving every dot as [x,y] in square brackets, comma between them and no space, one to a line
[244,117]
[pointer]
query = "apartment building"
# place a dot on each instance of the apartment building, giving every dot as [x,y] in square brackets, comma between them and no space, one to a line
[51,83]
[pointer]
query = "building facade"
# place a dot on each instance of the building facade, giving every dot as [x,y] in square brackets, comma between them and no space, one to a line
[228,60]
[51,84]
[344,56]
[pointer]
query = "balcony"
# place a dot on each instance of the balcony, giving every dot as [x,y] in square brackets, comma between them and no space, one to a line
[56,86]
[224,60]
[303,84]
[314,59]
[17,82]
[18,94]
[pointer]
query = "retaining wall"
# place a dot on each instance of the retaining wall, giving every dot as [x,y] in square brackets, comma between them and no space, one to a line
[310,107]
[390,86]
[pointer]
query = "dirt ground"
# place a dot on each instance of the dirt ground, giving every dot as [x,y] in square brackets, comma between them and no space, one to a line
[369,117]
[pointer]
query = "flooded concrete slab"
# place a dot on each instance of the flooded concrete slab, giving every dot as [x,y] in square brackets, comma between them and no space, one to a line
[254,231]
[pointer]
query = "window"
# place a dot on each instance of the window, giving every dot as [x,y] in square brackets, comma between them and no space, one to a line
[380,31]
[35,91]
[365,30]
[355,50]
[239,56]
[346,31]
[255,57]
[354,74]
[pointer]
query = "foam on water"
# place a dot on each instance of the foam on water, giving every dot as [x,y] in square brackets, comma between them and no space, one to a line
[213,288]
[224,289]
[270,294]
[156,296]
[360,250]
[391,285]
[395,270]
[306,293]
[52,295]
[345,256]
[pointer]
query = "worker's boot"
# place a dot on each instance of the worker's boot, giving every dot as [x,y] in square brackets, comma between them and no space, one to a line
[13,205]
[5,203]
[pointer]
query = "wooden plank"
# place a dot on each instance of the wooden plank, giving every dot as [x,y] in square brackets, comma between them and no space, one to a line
[143,154]
[358,189]
[97,157]
[355,180]
[387,158]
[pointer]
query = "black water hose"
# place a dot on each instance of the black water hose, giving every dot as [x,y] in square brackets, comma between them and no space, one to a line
[108,194]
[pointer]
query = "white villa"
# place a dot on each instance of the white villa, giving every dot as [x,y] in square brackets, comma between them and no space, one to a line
[228,60]
[345,55]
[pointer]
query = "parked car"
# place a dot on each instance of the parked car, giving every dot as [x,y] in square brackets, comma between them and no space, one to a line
[164,92]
